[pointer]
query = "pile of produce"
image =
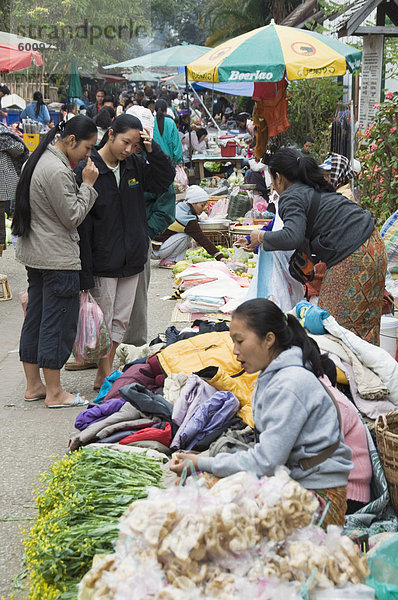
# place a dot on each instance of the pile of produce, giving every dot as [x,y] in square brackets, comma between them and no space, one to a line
[8,230]
[79,504]
[235,255]
[244,537]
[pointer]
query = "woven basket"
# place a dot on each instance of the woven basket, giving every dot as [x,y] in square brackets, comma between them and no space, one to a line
[387,445]
[219,238]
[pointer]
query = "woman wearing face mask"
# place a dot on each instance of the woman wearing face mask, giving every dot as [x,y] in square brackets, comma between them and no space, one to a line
[343,236]
[114,236]
[296,420]
[48,209]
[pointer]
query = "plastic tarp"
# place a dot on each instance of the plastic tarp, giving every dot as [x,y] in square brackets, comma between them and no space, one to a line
[236,88]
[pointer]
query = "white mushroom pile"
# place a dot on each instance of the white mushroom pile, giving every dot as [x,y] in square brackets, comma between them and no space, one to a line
[243,536]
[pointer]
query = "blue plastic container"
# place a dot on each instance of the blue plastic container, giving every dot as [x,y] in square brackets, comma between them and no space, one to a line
[54,114]
[13,116]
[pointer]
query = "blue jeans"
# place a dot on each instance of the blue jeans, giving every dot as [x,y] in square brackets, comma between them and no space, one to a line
[49,328]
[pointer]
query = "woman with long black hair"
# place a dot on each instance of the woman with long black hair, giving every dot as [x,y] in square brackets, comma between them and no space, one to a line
[296,419]
[37,110]
[48,209]
[165,133]
[114,235]
[342,235]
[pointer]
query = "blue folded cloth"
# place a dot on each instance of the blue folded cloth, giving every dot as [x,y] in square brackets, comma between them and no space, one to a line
[311,317]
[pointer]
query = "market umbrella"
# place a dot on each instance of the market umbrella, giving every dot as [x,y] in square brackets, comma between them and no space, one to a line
[176,56]
[143,76]
[12,59]
[268,53]
[75,89]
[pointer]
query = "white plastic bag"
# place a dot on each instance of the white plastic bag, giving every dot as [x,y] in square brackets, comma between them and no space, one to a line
[93,340]
[181,180]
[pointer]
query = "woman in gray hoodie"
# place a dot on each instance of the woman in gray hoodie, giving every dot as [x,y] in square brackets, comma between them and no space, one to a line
[295,418]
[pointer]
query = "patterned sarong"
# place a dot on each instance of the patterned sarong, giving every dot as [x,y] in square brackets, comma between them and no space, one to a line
[352,291]
[338,505]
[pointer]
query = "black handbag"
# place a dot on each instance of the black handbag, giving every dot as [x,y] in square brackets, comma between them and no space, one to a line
[302,262]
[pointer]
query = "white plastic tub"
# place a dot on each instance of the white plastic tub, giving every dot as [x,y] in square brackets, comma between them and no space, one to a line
[388,334]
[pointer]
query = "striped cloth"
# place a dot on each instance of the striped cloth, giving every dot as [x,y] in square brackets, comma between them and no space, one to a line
[338,505]
[389,233]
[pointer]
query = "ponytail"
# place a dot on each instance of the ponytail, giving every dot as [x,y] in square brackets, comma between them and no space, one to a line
[82,128]
[161,110]
[290,163]
[263,316]
[38,98]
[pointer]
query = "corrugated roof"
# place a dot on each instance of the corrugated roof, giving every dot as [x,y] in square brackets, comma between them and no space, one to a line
[303,13]
[340,21]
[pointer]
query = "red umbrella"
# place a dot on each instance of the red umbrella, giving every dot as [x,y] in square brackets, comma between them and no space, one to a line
[12,59]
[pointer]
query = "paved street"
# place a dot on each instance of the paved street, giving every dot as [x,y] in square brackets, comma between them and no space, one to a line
[32,435]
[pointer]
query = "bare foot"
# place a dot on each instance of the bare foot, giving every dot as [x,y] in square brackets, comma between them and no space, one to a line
[37,392]
[99,379]
[63,397]
[98,383]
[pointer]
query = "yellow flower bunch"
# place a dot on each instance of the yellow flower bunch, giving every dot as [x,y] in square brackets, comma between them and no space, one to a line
[79,502]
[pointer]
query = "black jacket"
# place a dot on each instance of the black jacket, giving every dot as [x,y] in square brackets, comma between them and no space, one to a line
[340,226]
[114,235]
[92,111]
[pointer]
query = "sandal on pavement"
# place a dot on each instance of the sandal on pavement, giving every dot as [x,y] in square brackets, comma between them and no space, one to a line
[166,264]
[78,401]
[34,399]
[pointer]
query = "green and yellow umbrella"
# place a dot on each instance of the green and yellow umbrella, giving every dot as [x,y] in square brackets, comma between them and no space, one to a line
[267,53]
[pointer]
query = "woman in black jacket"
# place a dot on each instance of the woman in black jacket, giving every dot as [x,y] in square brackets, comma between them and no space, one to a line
[114,236]
[342,235]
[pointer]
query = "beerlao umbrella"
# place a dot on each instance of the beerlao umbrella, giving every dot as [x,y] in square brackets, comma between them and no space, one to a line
[75,89]
[12,59]
[269,53]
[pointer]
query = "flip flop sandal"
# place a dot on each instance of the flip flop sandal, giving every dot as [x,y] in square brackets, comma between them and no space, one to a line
[34,399]
[78,401]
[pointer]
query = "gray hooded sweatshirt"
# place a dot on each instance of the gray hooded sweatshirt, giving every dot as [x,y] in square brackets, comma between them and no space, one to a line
[296,419]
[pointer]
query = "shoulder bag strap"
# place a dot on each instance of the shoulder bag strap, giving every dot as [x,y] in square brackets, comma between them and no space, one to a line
[314,461]
[312,213]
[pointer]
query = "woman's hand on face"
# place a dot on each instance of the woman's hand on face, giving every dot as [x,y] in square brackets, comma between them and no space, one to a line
[180,461]
[90,172]
[147,140]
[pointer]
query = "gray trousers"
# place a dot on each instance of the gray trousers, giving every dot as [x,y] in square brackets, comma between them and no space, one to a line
[137,329]
[174,248]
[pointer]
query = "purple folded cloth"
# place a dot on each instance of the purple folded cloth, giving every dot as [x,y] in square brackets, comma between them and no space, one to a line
[97,412]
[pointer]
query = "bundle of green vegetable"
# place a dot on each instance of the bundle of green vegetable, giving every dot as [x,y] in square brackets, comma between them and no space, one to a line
[79,504]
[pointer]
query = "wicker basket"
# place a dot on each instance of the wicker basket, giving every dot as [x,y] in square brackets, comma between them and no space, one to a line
[387,445]
[219,238]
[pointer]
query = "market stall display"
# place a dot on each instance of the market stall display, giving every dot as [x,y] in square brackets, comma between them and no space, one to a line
[201,159]
[241,537]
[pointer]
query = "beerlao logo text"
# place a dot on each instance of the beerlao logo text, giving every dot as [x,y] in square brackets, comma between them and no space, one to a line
[256,76]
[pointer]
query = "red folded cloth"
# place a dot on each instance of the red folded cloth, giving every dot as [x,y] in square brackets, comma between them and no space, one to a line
[156,434]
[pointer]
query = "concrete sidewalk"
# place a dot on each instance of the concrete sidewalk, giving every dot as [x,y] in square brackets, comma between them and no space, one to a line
[32,435]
